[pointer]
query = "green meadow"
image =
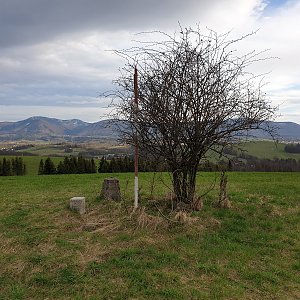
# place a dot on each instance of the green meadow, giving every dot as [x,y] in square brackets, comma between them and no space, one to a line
[268,149]
[250,251]
[259,149]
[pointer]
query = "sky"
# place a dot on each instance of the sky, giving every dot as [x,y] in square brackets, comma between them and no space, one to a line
[56,58]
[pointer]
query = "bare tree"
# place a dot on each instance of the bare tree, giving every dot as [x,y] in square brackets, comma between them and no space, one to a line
[195,95]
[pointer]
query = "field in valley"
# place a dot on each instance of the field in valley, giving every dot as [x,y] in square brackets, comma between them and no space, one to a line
[268,149]
[251,251]
[259,149]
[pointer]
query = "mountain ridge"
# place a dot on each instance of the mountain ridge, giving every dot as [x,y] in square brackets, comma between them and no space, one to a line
[39,127]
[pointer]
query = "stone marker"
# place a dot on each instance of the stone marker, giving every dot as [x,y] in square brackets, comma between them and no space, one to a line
[78,204]
[111,189]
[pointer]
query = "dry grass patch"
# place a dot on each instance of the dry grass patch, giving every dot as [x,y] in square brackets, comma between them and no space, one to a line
[145,220]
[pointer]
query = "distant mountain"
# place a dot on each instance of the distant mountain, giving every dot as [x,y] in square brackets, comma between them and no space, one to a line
[288,130]
[49,128]
[283,131]
[105,128]
[35,128]
[3,124]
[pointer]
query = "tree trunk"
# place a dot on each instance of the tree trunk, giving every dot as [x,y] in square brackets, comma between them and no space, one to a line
[184,182]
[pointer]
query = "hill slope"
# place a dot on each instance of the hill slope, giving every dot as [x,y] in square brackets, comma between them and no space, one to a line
[42,127]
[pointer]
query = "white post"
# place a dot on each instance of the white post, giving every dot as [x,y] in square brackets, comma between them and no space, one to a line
[136,192]
[136,150]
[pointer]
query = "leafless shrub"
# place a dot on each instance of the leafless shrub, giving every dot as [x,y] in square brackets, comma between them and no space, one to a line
[195,94]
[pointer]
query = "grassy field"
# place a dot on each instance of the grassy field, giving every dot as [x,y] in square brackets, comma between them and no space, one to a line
[251,251]
[51,150]
[268,149]
[260,149]
[38,148]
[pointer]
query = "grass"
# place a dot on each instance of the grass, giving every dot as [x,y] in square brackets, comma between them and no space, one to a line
[251,251]
[268,149]
[39,148]
[51,150]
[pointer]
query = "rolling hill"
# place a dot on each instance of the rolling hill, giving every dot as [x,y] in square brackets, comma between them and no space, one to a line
[49,128]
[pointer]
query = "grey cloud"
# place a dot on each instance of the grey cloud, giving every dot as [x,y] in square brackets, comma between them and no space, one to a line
[17,113]
[37,75]
[52,93]
[52,52]
[30,21]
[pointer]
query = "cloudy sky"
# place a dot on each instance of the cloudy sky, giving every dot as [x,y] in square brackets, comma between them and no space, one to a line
[54,60]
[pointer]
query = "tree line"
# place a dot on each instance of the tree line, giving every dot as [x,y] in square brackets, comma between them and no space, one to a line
[252,164]
[245,163]
[70,165]
[292,148]
[126,164]
[271,165]
[80,165]
[12,167]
